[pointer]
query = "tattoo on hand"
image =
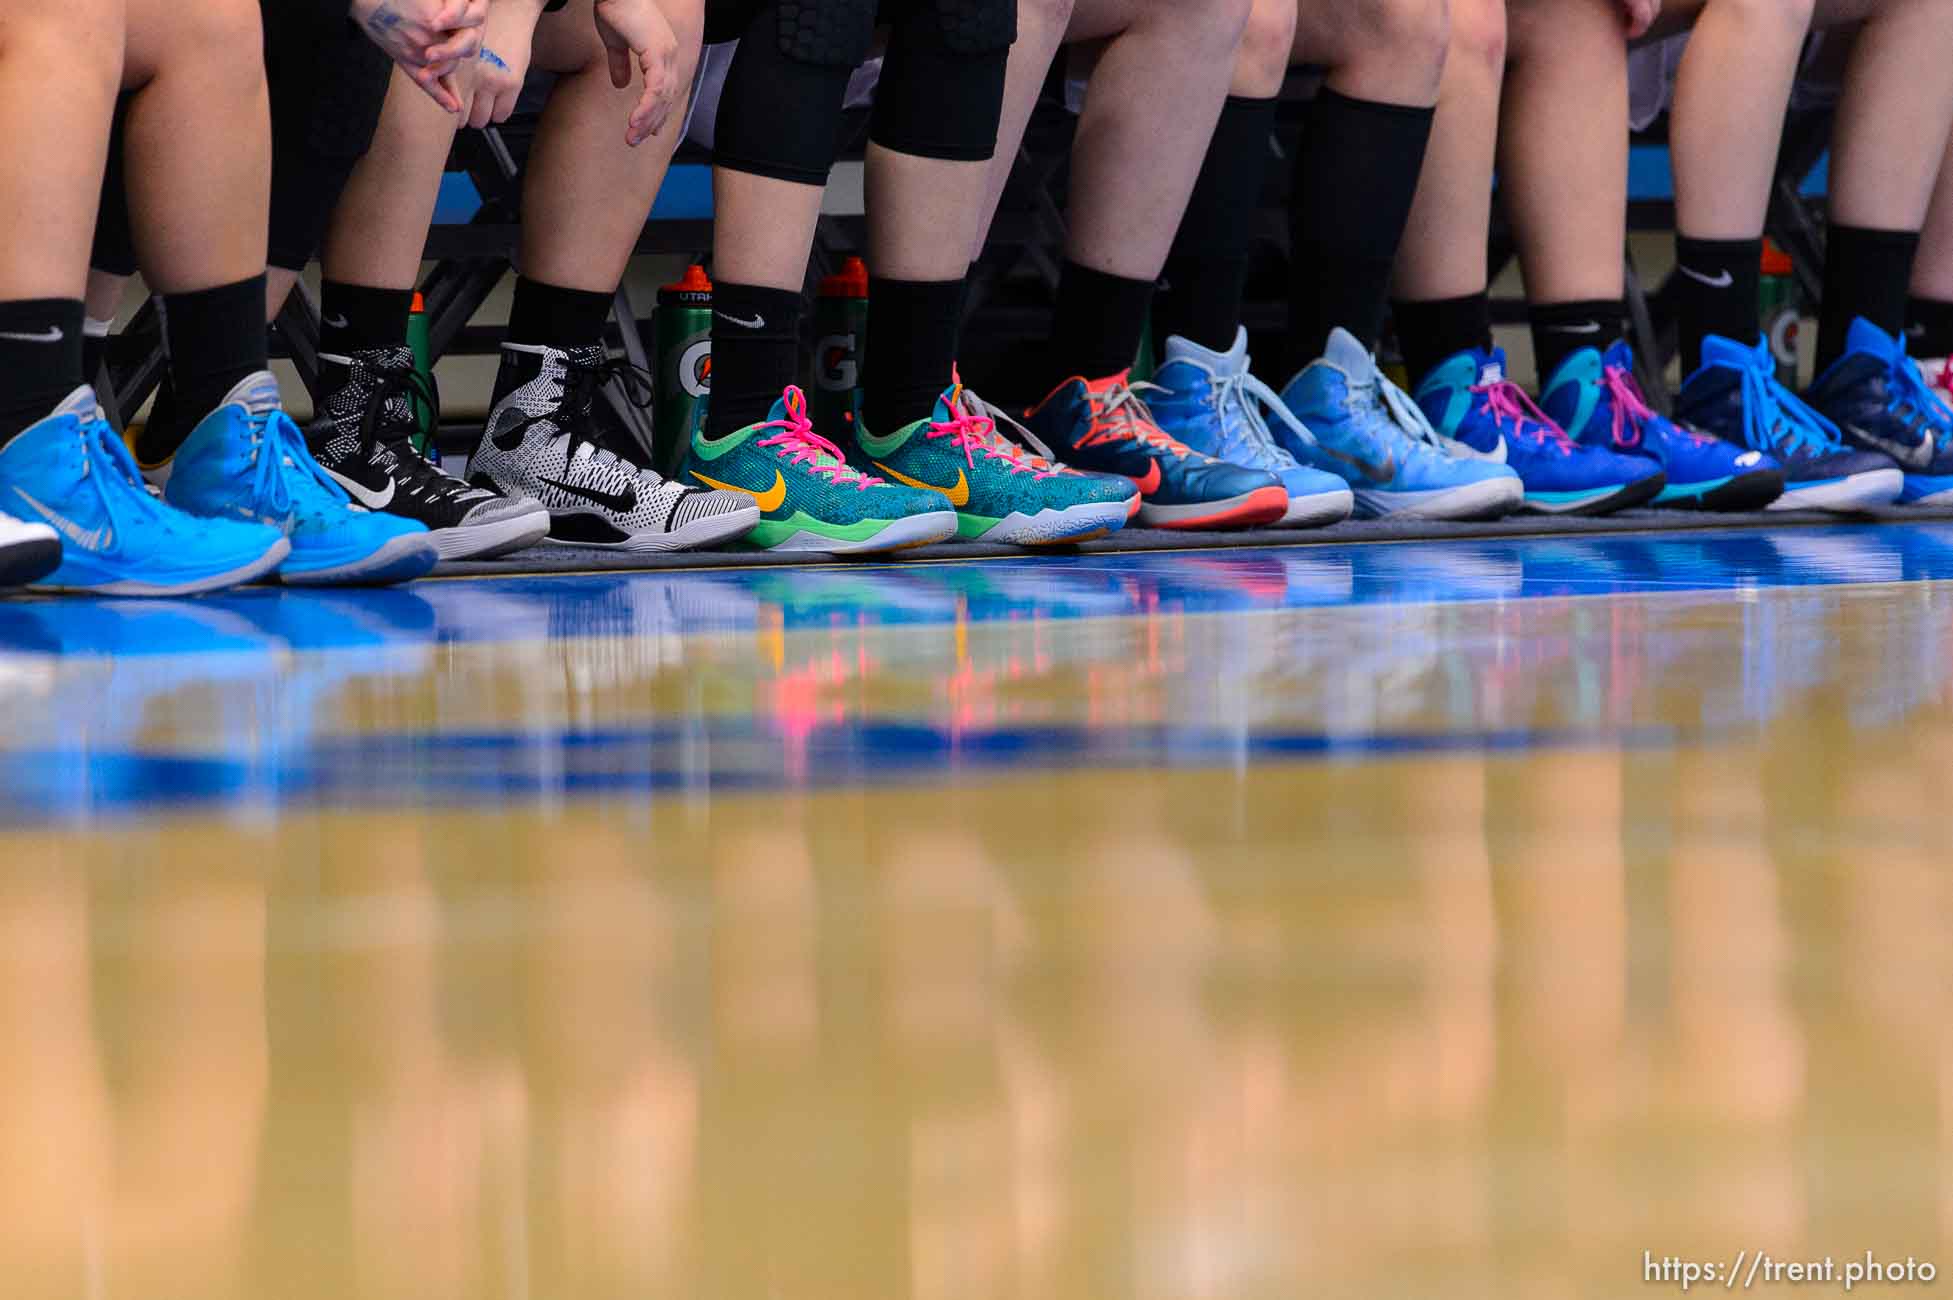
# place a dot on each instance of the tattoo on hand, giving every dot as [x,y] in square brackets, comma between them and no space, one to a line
[493,59]
[384,19]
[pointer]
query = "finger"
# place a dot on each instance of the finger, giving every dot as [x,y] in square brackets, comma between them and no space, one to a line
[620,67]
[505,103]
[463,44]
[482,108]
[459,13]
[439,89]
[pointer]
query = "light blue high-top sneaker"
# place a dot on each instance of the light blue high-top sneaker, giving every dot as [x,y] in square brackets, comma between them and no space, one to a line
[1369,433]
[73,474]
[247,460]
[1212,402]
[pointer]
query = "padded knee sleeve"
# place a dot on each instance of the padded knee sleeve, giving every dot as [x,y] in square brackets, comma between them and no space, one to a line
[780,113]
[942,86]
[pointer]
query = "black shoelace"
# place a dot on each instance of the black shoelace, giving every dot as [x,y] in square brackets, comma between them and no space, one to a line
[385,423]
[583,382]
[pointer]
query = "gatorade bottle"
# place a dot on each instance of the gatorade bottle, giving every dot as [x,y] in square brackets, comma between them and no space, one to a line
[418,342]
[1780,311]
[840,329]
[1144,365]
[682,338]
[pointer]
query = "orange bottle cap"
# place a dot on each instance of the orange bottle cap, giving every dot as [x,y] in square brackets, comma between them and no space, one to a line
[420,305]
[694,280]
[851,281]
[1776,261]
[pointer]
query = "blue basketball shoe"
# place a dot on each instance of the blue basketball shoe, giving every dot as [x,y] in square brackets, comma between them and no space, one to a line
[1880,402]
[1213,403]
[1735,395]
[1104,425]
[1469,398]
[1369,434]
[1597,400]
[247,460]
[73,474]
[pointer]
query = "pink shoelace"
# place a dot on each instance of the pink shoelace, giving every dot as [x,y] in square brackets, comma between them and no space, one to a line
[800,445]
[1630,408]
[1944,380]
[1507,401]
[972,433]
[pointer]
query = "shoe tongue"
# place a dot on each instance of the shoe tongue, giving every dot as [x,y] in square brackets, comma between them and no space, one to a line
[1619,355]
[1491,369]
[81,404]
[256,393]
[1863,336]
[1349,356]
[948,406]
[1719,351]
[1234,361]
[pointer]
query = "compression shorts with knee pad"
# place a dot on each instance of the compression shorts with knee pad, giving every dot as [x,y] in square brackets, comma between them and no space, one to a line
[942,87]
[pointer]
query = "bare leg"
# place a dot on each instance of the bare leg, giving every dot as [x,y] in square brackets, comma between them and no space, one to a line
[1041,28]
[1443,254]
[1932,272]
[379,228]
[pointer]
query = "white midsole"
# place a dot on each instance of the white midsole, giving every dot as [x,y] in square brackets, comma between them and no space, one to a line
[1318,509]
[1019,529]
[910,530]
[1874,487]
[730,526]
[1492,496]
[497,537]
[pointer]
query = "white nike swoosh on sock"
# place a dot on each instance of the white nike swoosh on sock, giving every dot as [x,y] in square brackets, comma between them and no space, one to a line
[52,334]
[757,323]
[1591,327]
[1723,281]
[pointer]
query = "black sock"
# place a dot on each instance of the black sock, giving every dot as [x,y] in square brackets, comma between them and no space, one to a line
[1929,330]
[1865,274]
[1429,332]
[1356,171]
[216,338]
[360,318]
[1718,283]
[1096,328]
[1201,301]
[1561,329]
[545,315]
[40,359]
[755,353]
[913,329]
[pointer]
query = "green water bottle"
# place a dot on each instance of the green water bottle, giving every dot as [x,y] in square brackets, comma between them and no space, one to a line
[682,338]
[1779,310]
[1144,364]
[840,329]
[418,342]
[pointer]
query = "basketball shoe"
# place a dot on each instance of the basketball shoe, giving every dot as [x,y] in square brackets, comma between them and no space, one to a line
[540,442]
[1104,425]
[363,438]
[1735,395]
[1469,399]
[998,493]
[1880,401]
[1368,433]
[1596,399]
[1212,402]
[807,496]
[71,473]
[247,460]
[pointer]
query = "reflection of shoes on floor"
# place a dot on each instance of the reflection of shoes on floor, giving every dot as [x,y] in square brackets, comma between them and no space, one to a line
[1437,571]
[1838,555]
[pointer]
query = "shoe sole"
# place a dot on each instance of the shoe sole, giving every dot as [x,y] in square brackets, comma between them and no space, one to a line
[491,540]
[1927,490]
[1854,492]
[1264,505]
[1319,510]
[1751,491]
[1486,499]
[261,567]
[1625,497]
[402,559]
[912,530]
[697,535]
[1056,527]
[28,562]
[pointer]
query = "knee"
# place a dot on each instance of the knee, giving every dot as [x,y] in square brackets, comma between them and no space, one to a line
[1765,15]
[1414,34]
[219,29]
[1265,43]
[1478,36]
[1044,15]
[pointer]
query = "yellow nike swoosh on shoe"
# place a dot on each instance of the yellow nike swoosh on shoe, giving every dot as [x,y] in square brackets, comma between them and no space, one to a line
[769,501]
[958,495]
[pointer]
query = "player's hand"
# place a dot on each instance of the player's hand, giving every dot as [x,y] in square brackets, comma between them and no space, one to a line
[503,63]
[427,38]
[1641,15]
[636,31]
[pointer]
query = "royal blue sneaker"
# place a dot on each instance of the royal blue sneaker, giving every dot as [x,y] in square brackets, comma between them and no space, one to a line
[1369,434]
[73,474]
[1735,396]
[1468,397]
[1213,403]
[1881,402]
[1104,425]
[1597,400]
[247,460]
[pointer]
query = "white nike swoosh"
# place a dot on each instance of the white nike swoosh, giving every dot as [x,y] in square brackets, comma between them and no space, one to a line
[364,495]
[1722,281]
[337,322]
[88,539]
[757,323]
[1468,452]
[52,334]
[1917,457]
[1591,327]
